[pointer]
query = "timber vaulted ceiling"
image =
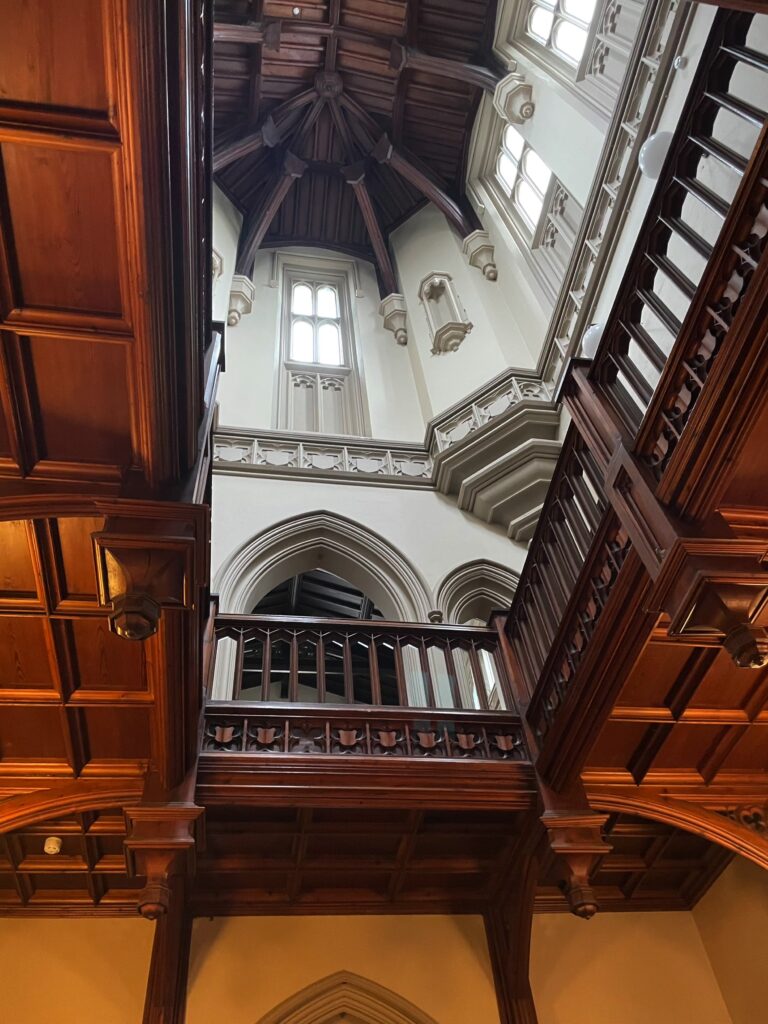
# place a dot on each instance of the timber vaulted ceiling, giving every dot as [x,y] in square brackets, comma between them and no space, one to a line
[334,125]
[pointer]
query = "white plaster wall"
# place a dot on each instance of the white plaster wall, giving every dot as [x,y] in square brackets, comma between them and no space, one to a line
[425,527]
[227,221]
[426,244]
[247,391]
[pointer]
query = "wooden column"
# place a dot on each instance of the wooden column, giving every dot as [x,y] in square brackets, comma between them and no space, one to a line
[508,930]
[166,997]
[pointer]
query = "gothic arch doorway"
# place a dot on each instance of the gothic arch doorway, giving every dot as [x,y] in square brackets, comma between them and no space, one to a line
[346,998]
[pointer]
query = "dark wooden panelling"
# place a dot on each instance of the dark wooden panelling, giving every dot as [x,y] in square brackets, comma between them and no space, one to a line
[103,661]
[25,662]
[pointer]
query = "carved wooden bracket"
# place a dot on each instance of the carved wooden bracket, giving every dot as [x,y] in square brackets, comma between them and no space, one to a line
[161,844]
[139,573]
[714,590]
[577,837]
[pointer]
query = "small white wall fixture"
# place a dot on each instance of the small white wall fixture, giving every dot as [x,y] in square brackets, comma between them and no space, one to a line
[393,312]
[478,249]
[346,996]
[447,319]
[240,299]
[513,98]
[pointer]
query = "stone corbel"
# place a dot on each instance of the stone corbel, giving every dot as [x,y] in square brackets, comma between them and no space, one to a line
[161,845]
[392,311]
[140,573]
[478,249]
[576,836]
[217,264]
[513,98]
[240,298]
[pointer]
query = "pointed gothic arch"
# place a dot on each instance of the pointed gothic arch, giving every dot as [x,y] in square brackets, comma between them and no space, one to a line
[360,1000]
[475,589]
[323,540]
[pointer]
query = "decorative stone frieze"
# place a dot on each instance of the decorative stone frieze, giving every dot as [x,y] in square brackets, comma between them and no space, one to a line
[240,298]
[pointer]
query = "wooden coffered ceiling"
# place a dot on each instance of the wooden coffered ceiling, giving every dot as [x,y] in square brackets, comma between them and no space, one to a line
[334,125]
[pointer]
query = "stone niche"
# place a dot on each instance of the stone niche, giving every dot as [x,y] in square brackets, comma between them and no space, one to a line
[447,319]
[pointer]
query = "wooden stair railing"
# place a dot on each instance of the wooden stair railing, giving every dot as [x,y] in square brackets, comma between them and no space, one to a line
[668,335]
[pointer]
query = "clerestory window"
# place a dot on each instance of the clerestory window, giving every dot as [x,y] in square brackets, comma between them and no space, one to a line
[316,324]
[524,178]
[561,26]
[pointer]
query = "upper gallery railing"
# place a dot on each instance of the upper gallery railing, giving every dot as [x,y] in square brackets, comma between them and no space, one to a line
[702,238]
[355,662]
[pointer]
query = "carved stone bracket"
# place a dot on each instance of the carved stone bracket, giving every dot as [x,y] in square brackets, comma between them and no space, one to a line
[240,298]
[577,837]
[478,249]
[161,844]
[393,311]
[513,98]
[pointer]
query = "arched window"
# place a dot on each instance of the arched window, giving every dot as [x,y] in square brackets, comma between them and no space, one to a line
[524,178]
[561,26]
[320,384]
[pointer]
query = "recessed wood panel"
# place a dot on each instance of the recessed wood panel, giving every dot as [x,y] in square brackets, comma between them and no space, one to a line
[103,661]
[76,561]
[62,223]
[116,732]
[24,658]
[17,573]
[53,53]
[31,731]
[79,392]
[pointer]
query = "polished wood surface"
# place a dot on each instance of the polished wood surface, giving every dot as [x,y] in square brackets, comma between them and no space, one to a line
[328,85]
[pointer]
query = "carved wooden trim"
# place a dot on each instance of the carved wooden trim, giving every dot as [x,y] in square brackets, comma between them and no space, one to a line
[726,828]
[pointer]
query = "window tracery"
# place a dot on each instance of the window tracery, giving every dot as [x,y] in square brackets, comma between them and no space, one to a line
[524,178]
[561,26]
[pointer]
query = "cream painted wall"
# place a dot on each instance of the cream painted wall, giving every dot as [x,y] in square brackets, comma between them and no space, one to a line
[247,391]
[227,221]
[242,967]
[73,970]
[426,244]
[732,919]
[623,969]
[425,527]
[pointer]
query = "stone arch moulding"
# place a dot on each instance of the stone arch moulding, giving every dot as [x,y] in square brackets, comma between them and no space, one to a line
[724,827]
[475,589]
[358,998]
[323,540]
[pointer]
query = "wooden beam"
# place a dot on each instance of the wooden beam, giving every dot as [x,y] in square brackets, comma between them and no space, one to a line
[343,130]
[402,57]
[354,175]
[265,33]
[331,47]
[386,153]
[270,133]
[258,223]
[166,997]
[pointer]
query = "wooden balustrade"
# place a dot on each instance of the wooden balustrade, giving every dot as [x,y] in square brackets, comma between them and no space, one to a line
[697,249]
[351,662]
[554,572]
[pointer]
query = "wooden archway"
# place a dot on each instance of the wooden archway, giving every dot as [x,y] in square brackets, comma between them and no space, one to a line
[27,809]
[359,999]
[723,829]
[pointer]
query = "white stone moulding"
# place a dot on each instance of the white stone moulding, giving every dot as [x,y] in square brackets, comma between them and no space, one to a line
[478,249]
[447,319]
[513,98]
[393,313]
[241,297]
[217,264]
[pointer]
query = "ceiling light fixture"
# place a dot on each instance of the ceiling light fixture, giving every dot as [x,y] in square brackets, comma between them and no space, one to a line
[296,12]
